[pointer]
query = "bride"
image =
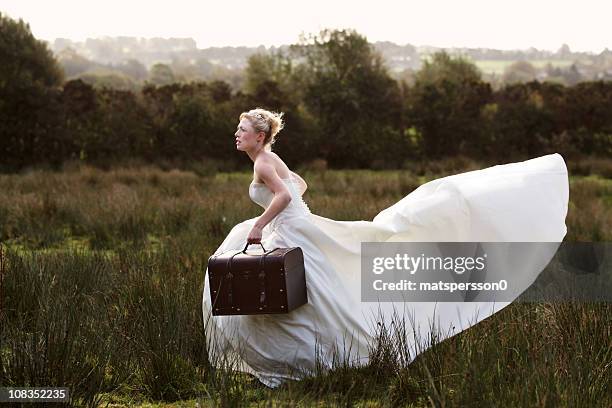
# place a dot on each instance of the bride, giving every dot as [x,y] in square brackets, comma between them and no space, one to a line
[517,202]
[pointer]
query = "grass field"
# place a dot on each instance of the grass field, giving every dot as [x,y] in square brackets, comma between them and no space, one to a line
[499,66]
[103,277]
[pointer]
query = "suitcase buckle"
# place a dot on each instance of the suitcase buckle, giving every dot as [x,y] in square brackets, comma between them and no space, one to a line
[262,291]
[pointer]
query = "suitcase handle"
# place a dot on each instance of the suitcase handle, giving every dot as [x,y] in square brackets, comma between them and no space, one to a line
[262,247]
[261,277]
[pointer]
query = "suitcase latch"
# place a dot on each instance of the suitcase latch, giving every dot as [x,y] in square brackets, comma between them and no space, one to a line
[262,287]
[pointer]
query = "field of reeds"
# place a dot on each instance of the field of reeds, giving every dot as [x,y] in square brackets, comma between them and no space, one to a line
[102,278]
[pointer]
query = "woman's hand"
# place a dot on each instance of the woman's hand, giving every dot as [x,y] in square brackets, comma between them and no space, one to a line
[254,236]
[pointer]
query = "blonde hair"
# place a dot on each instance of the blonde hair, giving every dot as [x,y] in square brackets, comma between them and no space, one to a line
[265,121]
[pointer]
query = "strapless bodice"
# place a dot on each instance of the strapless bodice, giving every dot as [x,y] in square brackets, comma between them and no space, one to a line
[262,195]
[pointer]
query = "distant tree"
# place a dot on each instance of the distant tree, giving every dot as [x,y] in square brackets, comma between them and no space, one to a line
[572,75]
[588,107]
[192,121]
[519,71]
[261,68]
[81,118]
[26,61]
[220,91]
[444,105]
[407,76]
[356,103]
[161,74]
[134,69]
[443,66]
[73,63]
[123,127]
[552,70]
[268,93]
[160,107]
[106,78]
[564,52]
[29,81]
[185,70]
[233,76]
[523,119]
[192,127]
[204,68]
[273,81]
[79,98]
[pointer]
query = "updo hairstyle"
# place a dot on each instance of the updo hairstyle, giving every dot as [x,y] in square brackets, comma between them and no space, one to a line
[265,121]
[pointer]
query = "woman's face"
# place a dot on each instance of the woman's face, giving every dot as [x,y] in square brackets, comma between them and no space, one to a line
[246,137]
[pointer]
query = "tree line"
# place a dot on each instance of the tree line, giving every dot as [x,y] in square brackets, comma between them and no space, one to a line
[340,101]
[107,65]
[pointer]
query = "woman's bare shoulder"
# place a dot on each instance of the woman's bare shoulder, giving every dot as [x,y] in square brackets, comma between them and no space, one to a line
[274,160]
[264,157]
[269,159]
[275,157]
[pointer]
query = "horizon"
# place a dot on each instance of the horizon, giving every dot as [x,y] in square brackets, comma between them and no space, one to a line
[140,38]
[545,25]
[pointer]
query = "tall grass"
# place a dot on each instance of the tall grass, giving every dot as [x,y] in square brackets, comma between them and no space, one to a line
[102,277]
[99,323]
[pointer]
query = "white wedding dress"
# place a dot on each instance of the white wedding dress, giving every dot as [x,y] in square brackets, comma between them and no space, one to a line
[517,202]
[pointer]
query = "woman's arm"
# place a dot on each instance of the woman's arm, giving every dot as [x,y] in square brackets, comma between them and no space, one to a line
[282,197]
[303,185]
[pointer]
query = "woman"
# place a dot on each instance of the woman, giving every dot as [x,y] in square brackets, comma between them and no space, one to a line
[255,136]
[517,202]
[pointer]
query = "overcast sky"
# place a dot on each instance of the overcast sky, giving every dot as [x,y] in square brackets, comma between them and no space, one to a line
[517,24]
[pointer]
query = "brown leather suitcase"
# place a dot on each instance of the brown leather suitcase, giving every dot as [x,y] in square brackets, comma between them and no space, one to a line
[266,283]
